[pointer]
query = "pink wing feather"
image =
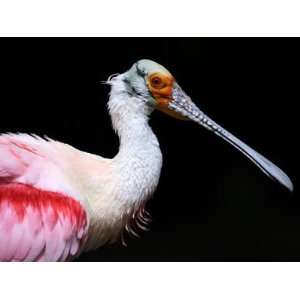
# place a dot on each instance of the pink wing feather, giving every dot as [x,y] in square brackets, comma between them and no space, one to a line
[39,220]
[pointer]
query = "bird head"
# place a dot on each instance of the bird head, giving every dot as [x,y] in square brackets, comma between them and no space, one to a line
[153,84]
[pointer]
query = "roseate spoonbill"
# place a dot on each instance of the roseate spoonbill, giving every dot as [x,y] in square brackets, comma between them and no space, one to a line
[57,201]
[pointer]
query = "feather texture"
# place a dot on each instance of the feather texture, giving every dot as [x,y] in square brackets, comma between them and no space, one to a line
[38,225]
[111,192]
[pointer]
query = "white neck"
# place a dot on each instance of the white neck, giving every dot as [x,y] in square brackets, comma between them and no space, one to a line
[139,160]
[135,169]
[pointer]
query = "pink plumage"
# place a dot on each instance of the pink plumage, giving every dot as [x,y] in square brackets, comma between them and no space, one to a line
[56,201]
[39,225]
[36,223]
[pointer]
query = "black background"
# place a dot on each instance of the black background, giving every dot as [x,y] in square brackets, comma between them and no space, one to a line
[211,204]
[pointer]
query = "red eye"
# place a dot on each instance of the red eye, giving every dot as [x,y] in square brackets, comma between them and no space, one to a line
[157,82]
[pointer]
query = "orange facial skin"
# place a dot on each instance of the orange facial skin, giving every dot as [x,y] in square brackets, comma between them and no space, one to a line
[161,88]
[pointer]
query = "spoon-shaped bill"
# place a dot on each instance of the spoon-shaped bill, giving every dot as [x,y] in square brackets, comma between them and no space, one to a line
[263,163]
[183,105]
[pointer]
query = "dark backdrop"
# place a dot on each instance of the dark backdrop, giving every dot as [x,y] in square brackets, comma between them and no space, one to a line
[211,204]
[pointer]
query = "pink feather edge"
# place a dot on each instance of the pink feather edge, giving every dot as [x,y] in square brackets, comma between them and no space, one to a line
[38,225]
[35,224]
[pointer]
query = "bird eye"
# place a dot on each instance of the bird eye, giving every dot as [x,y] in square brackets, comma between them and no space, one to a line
[157,82]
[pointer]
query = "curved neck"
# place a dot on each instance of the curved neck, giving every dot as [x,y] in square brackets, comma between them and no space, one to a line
[135,135]
[139,161]
[134,171]
[130,118]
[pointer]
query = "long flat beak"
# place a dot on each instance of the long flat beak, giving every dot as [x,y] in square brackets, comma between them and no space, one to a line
[183,105]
